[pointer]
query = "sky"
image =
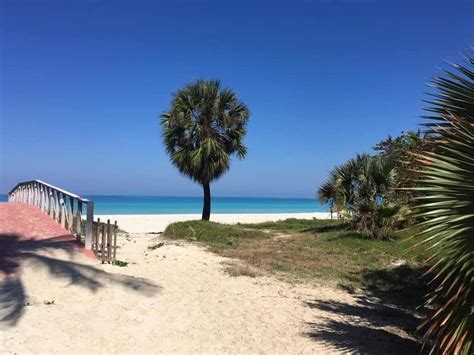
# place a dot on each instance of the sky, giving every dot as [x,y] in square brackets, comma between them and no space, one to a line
[83,83]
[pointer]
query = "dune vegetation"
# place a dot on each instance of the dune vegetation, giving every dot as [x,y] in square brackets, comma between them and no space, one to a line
[302,250]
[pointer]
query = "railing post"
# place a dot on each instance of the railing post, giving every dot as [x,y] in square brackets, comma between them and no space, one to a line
[51,202]
[47,201]
[38,195]
[35,194]
[57,206]
[95,237]
[70,223]
[102,247]
[109,241]
[115,241]
[43,198]
[62,208]
[89,224]
[79,220]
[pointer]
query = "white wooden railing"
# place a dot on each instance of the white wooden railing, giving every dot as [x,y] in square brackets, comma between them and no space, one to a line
[61,205]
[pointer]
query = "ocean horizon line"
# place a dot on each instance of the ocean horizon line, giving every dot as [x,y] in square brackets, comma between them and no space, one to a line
[152,205]
[213,213]
[199,196]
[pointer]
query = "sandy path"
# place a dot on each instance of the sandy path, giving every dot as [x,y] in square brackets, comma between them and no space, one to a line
[176,298]
[158,222]
[187,304]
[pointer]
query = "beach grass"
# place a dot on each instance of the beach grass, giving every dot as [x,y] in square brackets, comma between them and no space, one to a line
[293,225]
[218,237]
[319,250]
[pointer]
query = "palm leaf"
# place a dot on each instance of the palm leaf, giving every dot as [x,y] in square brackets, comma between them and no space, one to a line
[445,203]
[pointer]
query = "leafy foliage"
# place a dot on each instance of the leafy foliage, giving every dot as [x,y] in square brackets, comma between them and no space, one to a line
[401,151]
[398,148]
[446,204]
[363,187]
[205,125]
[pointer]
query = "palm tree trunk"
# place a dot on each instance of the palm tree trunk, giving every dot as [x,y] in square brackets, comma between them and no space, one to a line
[206,209]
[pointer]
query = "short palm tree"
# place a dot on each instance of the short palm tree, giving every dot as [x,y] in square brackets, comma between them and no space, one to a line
[363,187]
[445,205]
[205,125]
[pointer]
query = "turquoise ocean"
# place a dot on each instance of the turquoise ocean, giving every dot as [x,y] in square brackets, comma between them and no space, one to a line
[185,205]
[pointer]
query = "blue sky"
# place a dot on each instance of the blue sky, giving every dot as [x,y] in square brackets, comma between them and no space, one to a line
[83,84]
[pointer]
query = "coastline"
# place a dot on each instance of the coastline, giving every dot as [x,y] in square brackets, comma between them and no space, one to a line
[156,223]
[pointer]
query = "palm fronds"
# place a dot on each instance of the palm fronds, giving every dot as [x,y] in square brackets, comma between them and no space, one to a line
[445,205]
[363,187]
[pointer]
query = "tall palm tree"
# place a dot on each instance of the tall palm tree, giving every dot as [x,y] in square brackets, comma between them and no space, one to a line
[445,204]
[205,125]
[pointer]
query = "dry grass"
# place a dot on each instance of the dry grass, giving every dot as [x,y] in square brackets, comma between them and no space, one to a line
[299,249]
[236,268]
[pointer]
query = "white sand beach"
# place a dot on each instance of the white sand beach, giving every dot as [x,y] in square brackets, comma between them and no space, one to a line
[158,222]
[175,299]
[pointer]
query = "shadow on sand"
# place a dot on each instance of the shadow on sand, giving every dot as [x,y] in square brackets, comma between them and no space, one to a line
[14,250]
[381,320]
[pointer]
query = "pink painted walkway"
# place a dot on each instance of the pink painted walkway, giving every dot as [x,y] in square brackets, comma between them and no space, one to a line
[28,221]
[24,227]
